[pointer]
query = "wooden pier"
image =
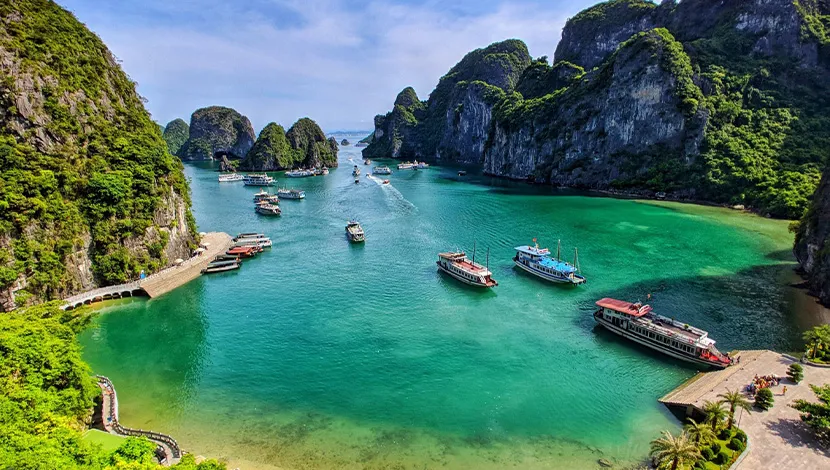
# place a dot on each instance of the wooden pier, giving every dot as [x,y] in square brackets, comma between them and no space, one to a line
[778,438]
[161,282]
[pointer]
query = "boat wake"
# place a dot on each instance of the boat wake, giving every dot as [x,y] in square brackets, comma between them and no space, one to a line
[392,192]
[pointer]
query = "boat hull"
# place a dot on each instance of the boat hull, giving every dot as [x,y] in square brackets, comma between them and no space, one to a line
[657,347]
[462,279]
[547,276]
[220,269]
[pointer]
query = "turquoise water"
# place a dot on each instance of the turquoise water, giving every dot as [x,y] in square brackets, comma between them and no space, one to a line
[323,354]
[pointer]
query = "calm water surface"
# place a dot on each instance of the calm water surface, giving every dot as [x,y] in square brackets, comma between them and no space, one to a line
[322,354]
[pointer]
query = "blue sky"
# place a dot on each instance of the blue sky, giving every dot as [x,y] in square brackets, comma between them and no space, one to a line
[339,62]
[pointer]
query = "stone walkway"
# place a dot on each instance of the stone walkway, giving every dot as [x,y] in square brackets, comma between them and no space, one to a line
[777,438]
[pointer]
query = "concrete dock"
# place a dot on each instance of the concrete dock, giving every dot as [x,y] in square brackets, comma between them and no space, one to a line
[778,438]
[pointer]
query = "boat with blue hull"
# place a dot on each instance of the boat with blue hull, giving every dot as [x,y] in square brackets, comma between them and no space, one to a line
[540,263]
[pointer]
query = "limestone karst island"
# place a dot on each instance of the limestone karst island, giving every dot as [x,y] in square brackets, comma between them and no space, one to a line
[506,234]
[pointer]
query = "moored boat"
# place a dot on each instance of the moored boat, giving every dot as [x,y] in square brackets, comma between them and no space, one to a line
[355,232]
[291,193]
[220,266]
[640,324]
[367,162]
[258,179]
[244,251]
[381,170]
[462,173]
[540,263]
[236,258]
[266,208]
[457,265]
[321,171]
[260,242]
[249,235]
[420,165]
[406,166]
[299,173]
[230,177]
[263,195]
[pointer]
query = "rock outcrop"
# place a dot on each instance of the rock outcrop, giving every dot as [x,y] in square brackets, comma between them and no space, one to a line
[303,146]
[345,142]
[812,242]
[217,131]
[719,101]
[176,133]
[90,195]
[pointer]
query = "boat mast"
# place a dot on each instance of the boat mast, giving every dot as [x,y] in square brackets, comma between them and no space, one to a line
[576,260]
[558,248]
[488,258]
[474,251]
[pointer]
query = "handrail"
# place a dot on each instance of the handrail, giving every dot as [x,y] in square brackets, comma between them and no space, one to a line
[125,431]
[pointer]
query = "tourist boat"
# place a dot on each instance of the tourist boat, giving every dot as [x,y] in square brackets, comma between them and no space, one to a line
[321,171]
[381,170]
[420,165]
[260,242]
[249,235]
[236,258]
[539,262]
[355,232]
[462,173]
[406,166]
[356,171]
[385,181]
[265,196]
[638,323]
[227,178]
[457,265]
[266,208]
[258,180]
[244,251]
[220,266]
[660,195]
[299,173]
[367,162]
[290,193]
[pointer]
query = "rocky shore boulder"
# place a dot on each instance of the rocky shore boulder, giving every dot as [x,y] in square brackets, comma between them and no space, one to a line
[304,145]
[176,133]
[216,131]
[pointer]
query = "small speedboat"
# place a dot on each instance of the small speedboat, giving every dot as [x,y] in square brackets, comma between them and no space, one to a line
[367,162]
[356,180]
[356,171]
[220,266]
[462,173]
[385,181]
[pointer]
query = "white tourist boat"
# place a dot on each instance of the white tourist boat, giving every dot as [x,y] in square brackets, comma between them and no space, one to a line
[230,177]
[299,173]
[356,171]
[421,165]
[258,179]
[354,232]
[291,193]
[260,242]
[406,166]
[265,208]
[381,170]
[242,235]
[263,195]
[457,265]
[540,263]
[638,323]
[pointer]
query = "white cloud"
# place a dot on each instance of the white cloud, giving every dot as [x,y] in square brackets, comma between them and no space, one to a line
[340,66]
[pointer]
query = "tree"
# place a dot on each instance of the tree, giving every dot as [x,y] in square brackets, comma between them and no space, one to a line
[816,415]
[670,452]
[700,433]
[795,372]
[735,400]
[817,337]
[764,399]
[714,414]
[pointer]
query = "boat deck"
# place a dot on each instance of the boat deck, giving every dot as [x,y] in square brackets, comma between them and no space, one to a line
[676,330]
[469,266]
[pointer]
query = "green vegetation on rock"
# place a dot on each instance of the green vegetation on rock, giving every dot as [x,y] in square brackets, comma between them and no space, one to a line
[176,134]
[85,176]
[304,145]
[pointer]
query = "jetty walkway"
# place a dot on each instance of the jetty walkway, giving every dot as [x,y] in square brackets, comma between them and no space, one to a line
[214,243]
[777,437]
[168,451]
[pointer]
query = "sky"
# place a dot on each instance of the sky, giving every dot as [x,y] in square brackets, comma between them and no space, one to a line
[339,62]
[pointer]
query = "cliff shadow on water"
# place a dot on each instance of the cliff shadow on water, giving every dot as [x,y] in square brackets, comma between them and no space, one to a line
[756,308]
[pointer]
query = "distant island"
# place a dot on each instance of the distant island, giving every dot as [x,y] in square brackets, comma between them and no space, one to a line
[726,103]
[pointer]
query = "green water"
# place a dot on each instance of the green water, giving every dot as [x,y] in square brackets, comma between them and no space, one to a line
[322,354]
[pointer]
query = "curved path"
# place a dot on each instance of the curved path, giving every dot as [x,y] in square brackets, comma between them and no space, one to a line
[167,449]
[161,282]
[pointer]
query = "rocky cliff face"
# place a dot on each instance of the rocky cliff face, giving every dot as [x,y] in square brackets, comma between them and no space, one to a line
[216,131]
[303,146]
[176,133]
[722,101]
[90,193]
[812,249]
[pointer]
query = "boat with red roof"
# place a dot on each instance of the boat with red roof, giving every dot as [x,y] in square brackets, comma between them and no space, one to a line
[457,265]
[640,324]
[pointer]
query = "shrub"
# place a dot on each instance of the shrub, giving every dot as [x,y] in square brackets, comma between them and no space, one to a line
[725,434]
[715,448]
[764,399]
[707,453]
[795,372]
[700,465]
[741,436]
[722,458]
[736,444]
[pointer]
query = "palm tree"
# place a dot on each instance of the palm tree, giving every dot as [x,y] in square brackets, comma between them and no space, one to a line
[817,336]
[670,452]
[714,413]
[700,433]
[735,400]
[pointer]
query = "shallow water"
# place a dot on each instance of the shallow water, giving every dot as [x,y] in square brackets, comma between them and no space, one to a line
[322,354]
